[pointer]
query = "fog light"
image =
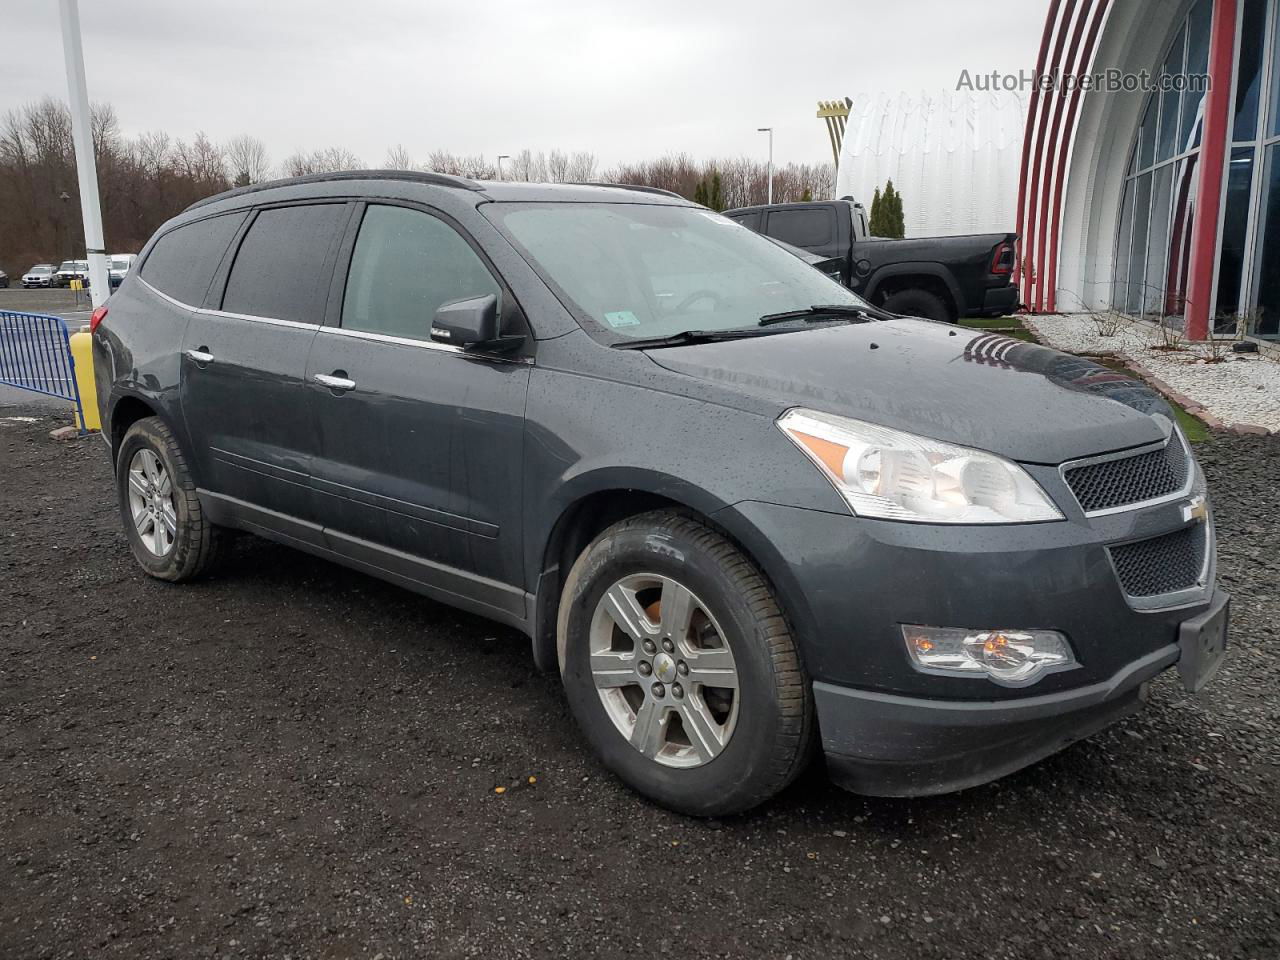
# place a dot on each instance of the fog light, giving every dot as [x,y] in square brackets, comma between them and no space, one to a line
[1013,657]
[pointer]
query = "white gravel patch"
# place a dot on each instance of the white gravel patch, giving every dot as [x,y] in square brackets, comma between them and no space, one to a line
[1243,390]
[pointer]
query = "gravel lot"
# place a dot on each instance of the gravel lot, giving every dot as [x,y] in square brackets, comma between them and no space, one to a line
[295,760]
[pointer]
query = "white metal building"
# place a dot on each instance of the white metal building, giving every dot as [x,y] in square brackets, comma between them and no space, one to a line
[954,157]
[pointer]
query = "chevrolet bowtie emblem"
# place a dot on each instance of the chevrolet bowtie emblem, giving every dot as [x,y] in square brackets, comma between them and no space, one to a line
[1197,509]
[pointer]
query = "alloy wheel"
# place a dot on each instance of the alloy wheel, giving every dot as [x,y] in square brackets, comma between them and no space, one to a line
[151,502]
[664,670]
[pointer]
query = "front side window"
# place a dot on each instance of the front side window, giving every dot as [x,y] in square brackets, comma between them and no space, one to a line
[280,270]
[405,266]
[183,261]
[646,270]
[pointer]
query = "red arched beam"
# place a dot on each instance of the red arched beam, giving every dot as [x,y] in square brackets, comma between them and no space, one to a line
[1025,271]
[1035,213]
[1097,17]
[1056,145]
[1213,163]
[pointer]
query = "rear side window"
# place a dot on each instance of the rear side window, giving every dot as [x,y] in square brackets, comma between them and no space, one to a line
[749,220]
[280,269]
[814,227]
[406,264]
[183,261]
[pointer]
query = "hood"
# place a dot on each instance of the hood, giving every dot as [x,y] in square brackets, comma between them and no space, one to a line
[1026,402]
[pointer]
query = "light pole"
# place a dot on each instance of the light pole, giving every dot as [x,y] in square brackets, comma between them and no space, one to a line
[86,167]
[769,131]
[501,157]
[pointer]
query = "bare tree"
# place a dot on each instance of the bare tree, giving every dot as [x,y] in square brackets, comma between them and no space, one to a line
[582,167]
[247,160]
[201,160]
[328,160]
[557,166]
[474,167]
[528,166]
[398,159]
[146,179]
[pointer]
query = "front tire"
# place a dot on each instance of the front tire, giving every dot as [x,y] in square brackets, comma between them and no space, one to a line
[170,537]
[680,667]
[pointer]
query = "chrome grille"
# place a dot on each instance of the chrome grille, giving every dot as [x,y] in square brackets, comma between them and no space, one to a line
[1108,484]
[1164,564]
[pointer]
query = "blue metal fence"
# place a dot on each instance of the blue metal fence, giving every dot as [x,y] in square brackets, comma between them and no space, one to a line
[35,355]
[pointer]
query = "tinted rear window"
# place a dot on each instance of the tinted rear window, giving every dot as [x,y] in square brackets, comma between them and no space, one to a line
[804,228]
[183,261]
[280,268]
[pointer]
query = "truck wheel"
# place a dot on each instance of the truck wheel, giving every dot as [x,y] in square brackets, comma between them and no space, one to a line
[170,537]
[680,667]
[918,303]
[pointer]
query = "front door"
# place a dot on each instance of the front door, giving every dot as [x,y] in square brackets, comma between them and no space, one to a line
[243,363]
[421,444]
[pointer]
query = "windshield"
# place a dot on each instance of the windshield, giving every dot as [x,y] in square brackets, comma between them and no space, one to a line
[42,268]
[68,265]
[119,263]
[641,271]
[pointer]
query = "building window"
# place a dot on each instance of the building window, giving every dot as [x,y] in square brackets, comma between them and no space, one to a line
[1160,192]
[1248,292]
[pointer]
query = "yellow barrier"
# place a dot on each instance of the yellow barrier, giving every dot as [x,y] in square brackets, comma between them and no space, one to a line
[82,353]
[77,284]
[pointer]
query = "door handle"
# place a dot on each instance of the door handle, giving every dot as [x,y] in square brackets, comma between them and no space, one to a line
[202,355]
[334,382]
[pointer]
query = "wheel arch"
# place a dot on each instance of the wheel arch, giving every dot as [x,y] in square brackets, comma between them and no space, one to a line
[591,511]
[126,410]
[931,277]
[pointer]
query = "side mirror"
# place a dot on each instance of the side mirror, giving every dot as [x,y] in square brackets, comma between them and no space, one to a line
[471,324]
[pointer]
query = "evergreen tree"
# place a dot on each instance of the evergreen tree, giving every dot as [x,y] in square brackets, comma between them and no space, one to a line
[876,224]
[807,196]
[700,193]
[715,196]
[895,223]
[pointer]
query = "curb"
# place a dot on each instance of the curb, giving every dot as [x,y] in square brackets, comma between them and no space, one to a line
[1192,407]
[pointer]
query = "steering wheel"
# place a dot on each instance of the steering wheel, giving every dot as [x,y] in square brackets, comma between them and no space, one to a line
[697,295]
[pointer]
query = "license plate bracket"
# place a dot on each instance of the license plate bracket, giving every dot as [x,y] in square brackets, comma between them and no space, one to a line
[1203,640]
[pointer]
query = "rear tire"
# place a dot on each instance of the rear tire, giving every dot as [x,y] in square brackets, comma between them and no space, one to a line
[167,530]
[918,303]
[732,724]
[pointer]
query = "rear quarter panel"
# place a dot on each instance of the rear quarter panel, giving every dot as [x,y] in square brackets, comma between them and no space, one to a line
[963,262]
[137,353]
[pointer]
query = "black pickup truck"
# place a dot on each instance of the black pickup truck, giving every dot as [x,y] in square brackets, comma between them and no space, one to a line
[941,278]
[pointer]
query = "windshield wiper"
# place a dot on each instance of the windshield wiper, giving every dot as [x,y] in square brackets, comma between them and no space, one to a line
[820,311]
[685,338]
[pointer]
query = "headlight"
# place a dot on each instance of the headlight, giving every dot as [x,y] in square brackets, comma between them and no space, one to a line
[898,476]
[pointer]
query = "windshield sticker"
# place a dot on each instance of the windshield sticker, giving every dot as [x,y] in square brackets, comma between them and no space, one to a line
[622,318]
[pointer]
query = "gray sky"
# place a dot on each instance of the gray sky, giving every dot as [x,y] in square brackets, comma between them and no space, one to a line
[625,81]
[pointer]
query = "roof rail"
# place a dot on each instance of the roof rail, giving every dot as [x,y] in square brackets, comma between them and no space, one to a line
[638,188]
[415,176]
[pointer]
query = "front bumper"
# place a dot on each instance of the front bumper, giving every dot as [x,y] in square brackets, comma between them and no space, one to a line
[887,746]
[848,584]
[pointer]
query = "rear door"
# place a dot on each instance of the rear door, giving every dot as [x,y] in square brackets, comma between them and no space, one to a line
[421,444]
[244,359]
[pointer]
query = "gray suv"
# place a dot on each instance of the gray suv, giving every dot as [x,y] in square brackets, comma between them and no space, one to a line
[745,515]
